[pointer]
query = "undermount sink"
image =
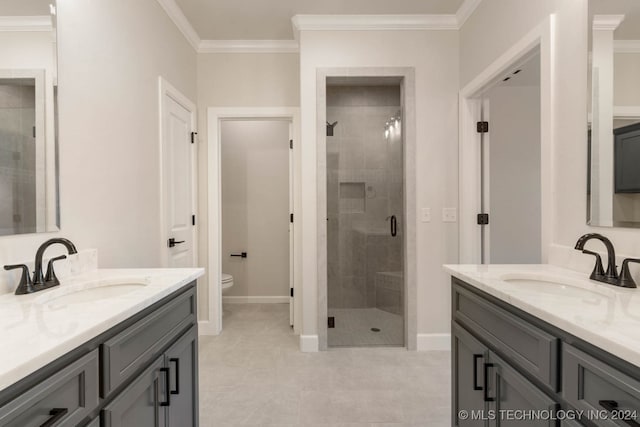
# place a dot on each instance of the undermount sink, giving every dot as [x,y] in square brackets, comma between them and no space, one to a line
[553,285]
[86,293]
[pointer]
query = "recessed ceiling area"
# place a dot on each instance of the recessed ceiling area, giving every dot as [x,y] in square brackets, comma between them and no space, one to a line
[271,19]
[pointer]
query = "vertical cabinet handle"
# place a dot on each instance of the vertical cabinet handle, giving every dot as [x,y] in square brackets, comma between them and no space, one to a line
[475,371]
[167,387]
[177,362]
[57,414]
[486,383]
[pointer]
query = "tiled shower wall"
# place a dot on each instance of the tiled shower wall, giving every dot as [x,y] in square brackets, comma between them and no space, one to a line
[17,159]
[364,188]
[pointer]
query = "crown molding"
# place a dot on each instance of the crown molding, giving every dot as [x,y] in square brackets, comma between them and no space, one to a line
[26,23]
[465,10]
[607,22]
[177,16]
[373,22]
[626,46]
[248,46]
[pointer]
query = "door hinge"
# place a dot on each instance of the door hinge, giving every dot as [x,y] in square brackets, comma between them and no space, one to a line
[291,144]
[291,292]
[331,323]
[482,127]
[34,131]
[483,219]
[193,220]
[193,137]
[291,218]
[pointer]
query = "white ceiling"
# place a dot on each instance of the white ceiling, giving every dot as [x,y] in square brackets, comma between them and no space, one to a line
[271,19]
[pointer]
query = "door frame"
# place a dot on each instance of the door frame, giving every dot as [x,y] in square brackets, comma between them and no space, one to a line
[542,37]
[167,90]
[406,79]
[214,192]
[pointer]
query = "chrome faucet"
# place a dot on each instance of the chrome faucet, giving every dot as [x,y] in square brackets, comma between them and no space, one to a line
[41,281]
[609,276]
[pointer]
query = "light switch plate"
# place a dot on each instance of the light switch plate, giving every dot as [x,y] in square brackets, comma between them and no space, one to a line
[449,214]
[426,214]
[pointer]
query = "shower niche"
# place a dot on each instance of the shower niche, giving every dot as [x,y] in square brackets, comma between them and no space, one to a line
[365,212]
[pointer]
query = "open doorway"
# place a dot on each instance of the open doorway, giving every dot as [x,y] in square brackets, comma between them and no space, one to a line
[256,211]
[486,176]
[254,151]
[511,161]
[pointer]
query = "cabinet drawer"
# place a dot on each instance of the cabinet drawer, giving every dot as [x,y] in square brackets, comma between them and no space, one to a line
[67,396]
[588,383]
[130,350]
[527,346]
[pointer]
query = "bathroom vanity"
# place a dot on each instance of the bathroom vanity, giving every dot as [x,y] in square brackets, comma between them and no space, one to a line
[545,343]
[110,348]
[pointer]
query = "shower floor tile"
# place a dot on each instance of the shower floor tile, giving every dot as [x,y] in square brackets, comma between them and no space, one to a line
[354,328]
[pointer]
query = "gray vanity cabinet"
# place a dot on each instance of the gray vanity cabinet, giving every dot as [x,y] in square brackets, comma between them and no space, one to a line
[512,392]
[182,360]
[529,366]
[140,404]
[141,373]
[469,356]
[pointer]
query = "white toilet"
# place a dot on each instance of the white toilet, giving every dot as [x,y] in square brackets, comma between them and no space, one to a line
[227,281]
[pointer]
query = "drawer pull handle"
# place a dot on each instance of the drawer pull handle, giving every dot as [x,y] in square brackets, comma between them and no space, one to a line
[486,383]
[57,414]
[177,362]
[167,387]
[611,406]
[475,371]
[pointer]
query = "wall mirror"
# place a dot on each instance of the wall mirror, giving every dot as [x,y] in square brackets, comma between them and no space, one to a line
[28,117]
[614,114]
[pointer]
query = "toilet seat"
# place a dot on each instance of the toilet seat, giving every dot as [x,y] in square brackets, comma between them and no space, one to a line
[227,281]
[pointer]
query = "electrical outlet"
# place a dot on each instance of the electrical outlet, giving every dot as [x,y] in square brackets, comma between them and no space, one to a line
[449,215]
[426,214]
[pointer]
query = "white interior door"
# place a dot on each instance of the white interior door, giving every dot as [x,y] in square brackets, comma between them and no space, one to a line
[256,209]
[178,182]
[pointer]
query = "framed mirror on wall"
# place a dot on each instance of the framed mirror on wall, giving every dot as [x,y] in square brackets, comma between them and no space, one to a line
[613,185]
[29,201]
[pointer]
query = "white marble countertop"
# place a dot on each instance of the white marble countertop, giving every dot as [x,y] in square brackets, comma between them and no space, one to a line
[37,329]
[606,316]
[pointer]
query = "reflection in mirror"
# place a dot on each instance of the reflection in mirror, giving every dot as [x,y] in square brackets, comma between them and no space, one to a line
[28,148]
[614,113]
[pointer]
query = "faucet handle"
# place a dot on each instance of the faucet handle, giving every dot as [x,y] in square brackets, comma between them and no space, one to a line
[26,285]
[626,280]
[50,278]
[598,269]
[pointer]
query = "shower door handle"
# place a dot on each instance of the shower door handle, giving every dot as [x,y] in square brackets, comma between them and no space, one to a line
[394,226]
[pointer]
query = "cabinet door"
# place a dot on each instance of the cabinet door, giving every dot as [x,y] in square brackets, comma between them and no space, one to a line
[182,360]
[469,356]
[516,397]
[140,404]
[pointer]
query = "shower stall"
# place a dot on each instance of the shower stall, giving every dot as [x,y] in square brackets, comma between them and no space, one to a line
[365,213]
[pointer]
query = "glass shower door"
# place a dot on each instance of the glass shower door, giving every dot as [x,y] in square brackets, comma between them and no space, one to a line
[365,213]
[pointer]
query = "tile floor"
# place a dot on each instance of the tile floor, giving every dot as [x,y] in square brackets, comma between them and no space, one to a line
[353,328]
[254,375]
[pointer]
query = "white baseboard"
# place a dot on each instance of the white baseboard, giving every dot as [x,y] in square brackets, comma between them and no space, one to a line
[206,327]
[434,342]
[256,300]
[309,343]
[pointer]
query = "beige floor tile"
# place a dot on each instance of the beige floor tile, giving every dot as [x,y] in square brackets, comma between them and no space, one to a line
[253,374]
